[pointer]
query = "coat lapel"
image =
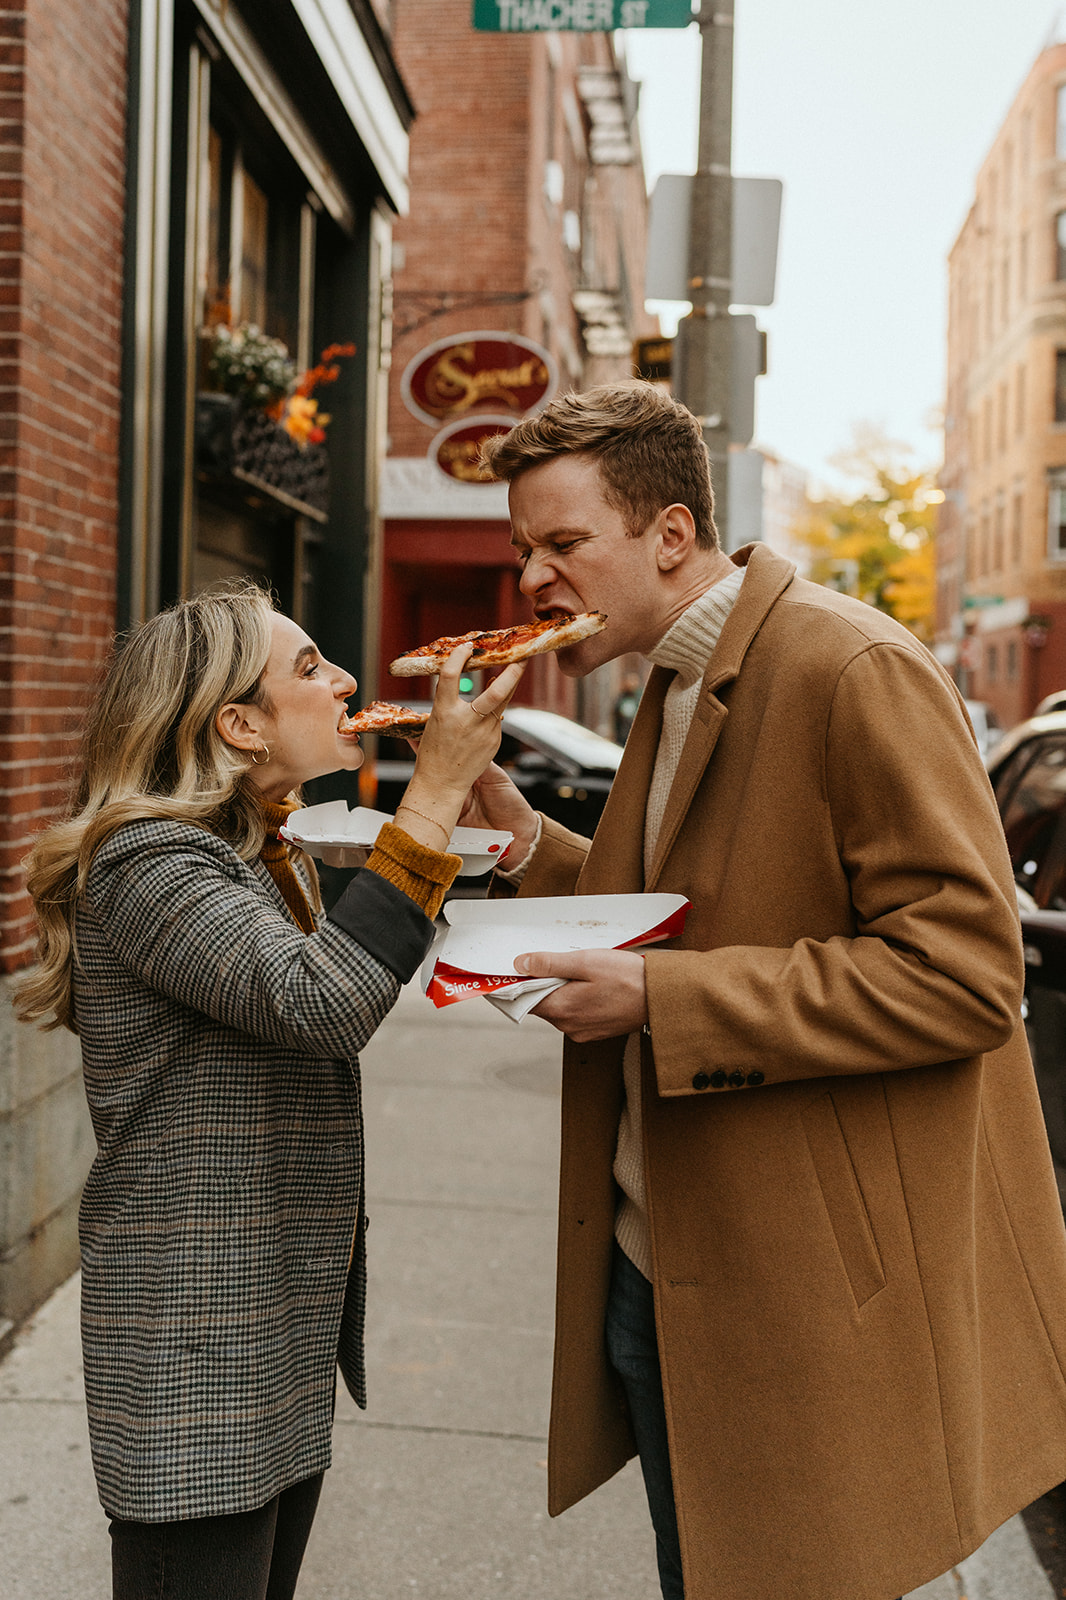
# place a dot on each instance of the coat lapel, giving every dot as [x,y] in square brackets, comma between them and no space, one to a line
[615,862]
[767,576]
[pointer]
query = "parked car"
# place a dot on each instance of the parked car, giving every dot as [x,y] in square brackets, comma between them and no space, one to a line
[562,768]
[985,725]
[1028,773]
[1051,702]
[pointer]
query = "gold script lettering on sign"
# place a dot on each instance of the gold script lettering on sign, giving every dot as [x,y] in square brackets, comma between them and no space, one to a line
[461,459]
[449,386]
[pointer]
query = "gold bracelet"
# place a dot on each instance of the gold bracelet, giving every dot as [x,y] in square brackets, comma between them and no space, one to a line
[403,806]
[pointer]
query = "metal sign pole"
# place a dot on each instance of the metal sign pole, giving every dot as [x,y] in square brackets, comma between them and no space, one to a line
[705,336]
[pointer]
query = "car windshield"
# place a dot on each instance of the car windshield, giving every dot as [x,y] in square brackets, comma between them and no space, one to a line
[570,739]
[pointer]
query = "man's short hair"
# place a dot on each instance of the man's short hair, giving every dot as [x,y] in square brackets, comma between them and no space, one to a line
[649,447]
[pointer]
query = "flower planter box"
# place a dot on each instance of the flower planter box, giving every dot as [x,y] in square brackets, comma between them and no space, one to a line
[244,443]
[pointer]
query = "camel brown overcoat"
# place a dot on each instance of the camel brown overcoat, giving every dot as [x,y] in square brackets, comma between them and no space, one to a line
[859,1256]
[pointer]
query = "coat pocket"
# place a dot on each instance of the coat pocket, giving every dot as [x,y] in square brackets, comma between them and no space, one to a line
[848,1216]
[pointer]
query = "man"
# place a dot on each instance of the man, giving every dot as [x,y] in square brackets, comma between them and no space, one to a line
[811,1259]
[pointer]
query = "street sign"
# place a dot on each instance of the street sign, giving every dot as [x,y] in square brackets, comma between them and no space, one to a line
[749,363]
[653,359]
[578,16]
[756,226]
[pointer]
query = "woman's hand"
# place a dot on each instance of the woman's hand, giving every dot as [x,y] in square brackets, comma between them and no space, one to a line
[459,742]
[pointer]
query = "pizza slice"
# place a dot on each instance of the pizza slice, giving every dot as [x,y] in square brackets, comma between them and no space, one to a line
[500,646]
[393,722]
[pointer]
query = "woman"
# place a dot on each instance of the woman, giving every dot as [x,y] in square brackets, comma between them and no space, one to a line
[220,1016]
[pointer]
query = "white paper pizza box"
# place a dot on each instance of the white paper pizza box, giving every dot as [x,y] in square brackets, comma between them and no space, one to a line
[342,838]
[475,953]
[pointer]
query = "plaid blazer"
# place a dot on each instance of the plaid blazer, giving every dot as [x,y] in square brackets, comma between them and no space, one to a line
[222,1220]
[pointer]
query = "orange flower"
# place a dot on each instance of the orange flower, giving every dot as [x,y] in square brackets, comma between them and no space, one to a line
[301,420]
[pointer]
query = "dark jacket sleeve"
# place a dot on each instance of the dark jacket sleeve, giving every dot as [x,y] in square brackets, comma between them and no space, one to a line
[386,922]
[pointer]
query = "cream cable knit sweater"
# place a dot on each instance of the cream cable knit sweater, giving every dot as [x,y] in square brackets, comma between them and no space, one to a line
[686,647]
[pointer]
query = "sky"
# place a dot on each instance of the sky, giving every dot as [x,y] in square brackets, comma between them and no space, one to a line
[877,115]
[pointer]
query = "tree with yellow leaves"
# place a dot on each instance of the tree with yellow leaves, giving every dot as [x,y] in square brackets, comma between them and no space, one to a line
[879,545]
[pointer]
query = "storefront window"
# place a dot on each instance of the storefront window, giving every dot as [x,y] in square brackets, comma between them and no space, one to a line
[258,484]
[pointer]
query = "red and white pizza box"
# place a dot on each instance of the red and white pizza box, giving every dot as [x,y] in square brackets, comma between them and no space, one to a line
[342,838]
[475,953]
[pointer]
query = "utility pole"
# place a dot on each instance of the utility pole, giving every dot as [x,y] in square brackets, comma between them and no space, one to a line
[705,336]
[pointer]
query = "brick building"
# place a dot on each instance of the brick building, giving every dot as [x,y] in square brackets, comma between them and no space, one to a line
[168,165]
[1001,537]
[528,219]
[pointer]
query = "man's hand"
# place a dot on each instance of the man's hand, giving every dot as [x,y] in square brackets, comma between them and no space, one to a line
[494,802]
[604,997]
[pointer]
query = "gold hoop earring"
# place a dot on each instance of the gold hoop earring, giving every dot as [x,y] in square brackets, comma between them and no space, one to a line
[266,756]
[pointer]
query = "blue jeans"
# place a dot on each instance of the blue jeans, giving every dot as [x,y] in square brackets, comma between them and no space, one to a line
[253,1555]
[633,1351]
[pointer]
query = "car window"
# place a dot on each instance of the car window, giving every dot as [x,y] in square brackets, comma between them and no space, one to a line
[1031,820]
[1005,778]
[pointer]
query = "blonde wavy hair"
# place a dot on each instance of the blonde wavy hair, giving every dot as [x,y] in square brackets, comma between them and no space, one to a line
[151,750]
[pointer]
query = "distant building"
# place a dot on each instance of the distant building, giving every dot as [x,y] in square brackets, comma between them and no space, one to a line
[1001,536]
[785,504]
[527,221]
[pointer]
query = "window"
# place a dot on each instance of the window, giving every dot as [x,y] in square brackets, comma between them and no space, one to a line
[1056,518]
[971,550]
[984,549]
[998,521]
[1002,409]
[1060,121]
[253,241]
[1060,385]
[1019,399]
[1023,267]
[1060,246]
[992,663]
[1016,525]
[1012,661]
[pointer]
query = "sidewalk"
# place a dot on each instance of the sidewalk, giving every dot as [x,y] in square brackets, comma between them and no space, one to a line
[439,1488]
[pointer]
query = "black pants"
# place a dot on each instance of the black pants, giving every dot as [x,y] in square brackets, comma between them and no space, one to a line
[254,1555]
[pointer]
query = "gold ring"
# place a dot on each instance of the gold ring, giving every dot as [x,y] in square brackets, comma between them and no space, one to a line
[485,714]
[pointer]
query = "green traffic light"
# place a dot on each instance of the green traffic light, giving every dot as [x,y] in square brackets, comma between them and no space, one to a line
[465,685]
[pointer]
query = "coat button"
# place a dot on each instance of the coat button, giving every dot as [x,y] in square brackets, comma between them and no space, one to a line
[701,1081]
[718,1079]
[737,1079]
[755,1078]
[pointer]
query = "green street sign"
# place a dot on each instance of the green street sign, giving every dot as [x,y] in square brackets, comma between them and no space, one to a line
[578,16]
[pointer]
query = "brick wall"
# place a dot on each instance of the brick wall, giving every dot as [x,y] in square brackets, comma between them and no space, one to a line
[467,232]
[62,132]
